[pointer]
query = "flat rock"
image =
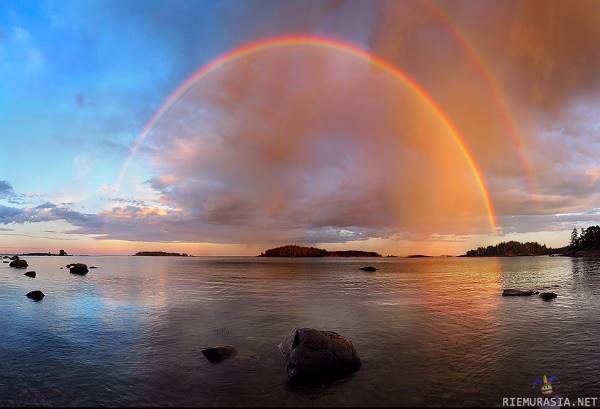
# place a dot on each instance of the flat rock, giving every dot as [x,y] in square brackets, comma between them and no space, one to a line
[18,264]
[78,268]
[313,355]
[548,296]
[30,274]
[368,268]
[218,354]
[517,292]
[35,295]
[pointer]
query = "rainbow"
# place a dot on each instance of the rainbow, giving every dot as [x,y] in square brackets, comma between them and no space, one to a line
[506,116]
[321,42]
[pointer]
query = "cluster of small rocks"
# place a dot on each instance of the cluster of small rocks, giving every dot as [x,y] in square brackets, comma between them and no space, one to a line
[37,295]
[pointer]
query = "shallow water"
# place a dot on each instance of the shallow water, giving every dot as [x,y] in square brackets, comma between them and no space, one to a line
[429,331]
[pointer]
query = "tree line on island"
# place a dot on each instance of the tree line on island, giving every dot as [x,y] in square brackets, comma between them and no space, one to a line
[584,243]
[509,249]
[293,250]
[161,254]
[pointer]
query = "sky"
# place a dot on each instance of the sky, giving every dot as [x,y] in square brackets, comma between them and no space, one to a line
[402,127]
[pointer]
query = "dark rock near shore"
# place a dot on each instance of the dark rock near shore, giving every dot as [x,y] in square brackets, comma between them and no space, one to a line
[14,258]
[548,296]
[218,354]
[93,267]
[78,268]
[368,268]
[30,274]
[35,295]
[516,292]
[18,264]
[314,355]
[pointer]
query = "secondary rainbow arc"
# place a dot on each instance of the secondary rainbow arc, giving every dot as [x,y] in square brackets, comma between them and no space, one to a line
[494,88]
[327,43]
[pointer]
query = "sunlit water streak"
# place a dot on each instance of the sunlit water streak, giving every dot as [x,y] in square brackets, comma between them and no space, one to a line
[429,331]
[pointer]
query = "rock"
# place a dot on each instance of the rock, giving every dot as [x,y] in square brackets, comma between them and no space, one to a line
[93,267]
[314,355]
[515,292]
[30,274]
[368,268]
[548,296]
[18,264]
[35,295]
[14,258]
[5,257]
[78,268]
[218,354]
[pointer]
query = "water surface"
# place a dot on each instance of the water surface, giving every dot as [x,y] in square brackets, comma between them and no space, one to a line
[431,331]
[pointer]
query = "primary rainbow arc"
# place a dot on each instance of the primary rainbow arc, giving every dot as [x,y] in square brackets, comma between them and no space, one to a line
[321,42]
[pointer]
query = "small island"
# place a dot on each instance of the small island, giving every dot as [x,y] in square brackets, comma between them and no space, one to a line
[161,254]
[60,253]
[300,251]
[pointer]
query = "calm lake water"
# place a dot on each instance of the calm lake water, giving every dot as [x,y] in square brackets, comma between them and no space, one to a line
[429,331]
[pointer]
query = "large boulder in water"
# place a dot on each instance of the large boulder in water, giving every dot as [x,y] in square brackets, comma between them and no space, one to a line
[516,292]
[78,268]
[217,354]
[18,264]
[314,355]
[548,296]
[35,295]
[368,268]
[30,274]
[14,258]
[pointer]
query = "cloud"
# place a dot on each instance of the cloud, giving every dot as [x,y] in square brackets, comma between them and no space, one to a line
[6,190]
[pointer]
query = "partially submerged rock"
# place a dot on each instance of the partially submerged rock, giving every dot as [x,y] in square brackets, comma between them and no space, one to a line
[548,296]
[30,274]
[14,258]
[314,355]
[218,354]
[368,268]
[35,295]
[517,292]
[18,264]
[93,267]
[78,268]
